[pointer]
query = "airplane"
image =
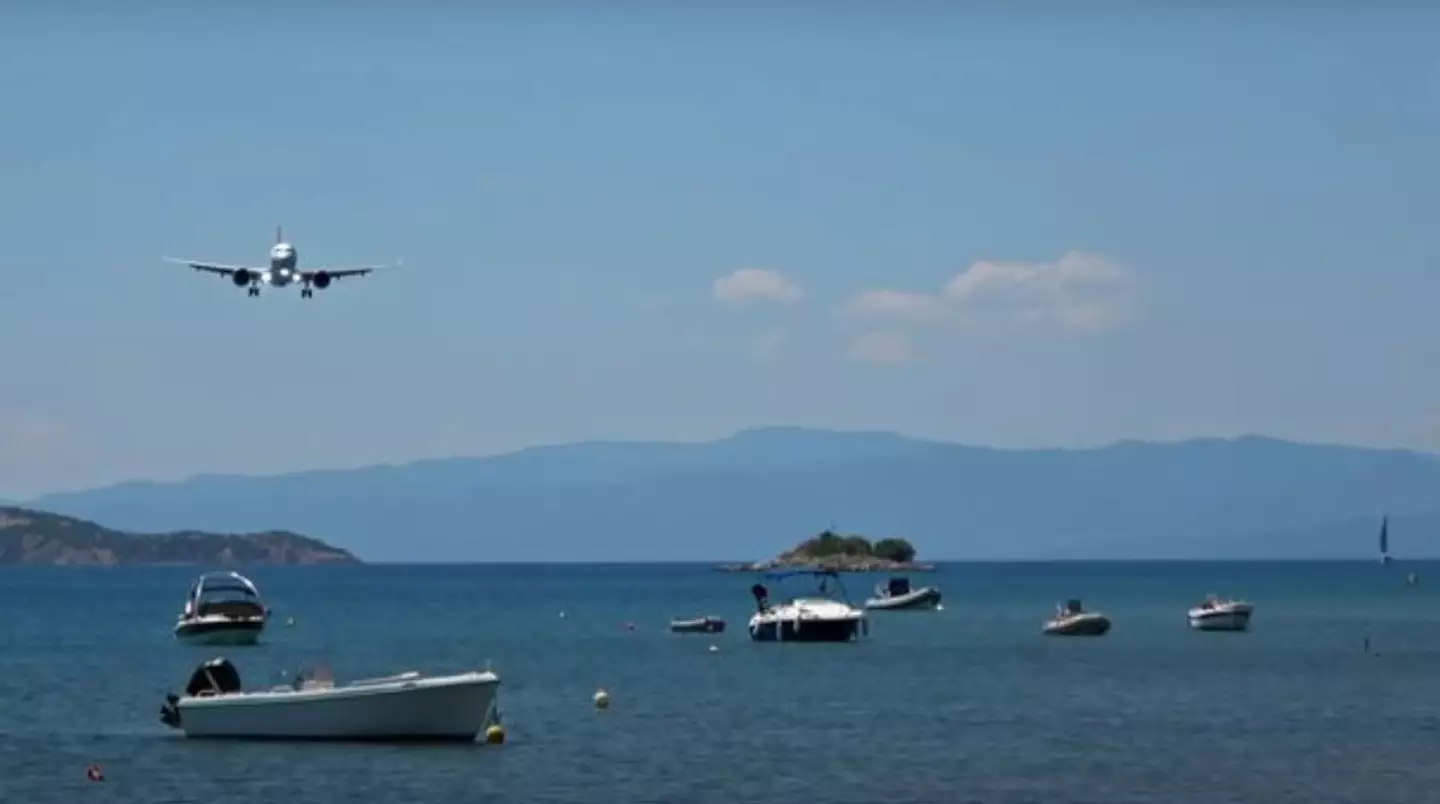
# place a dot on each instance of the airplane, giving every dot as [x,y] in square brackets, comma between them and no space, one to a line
[283,271]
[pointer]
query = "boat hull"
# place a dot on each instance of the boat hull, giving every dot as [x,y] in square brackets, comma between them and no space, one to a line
[918,600]
[445,709]
[1085,625]
[810,630]
[1236,619]
[220,631]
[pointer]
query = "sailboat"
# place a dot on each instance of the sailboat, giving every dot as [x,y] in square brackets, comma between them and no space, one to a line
[1385,539]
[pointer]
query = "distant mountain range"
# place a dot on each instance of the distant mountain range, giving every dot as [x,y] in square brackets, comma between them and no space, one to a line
[750,495]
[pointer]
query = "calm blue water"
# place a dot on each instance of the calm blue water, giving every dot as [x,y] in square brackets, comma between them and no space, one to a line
[966,705]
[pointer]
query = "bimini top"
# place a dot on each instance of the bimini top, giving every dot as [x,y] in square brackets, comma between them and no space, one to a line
[816,572]
[223,582]
[823,574]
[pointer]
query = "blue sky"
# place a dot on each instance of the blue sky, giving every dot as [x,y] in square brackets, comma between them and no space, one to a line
[998,227]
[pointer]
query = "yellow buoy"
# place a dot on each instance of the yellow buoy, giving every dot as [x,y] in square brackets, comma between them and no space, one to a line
[602,699]
[495,735]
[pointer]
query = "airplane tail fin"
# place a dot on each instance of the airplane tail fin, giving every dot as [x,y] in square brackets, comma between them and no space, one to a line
[279,235]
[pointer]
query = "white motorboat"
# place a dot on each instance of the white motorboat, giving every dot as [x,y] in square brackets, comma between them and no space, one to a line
[223,608]
[403,707]
[896,594]
[818,618]
[1221,614]
[1072,619]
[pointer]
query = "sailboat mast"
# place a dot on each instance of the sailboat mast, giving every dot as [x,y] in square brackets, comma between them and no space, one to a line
[1385,539]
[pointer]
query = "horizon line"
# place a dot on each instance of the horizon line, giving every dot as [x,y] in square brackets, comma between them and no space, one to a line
[714,565]
[402,463]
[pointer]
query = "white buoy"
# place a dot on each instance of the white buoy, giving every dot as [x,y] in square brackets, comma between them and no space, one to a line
[562,615]
[602,699]
[714,648]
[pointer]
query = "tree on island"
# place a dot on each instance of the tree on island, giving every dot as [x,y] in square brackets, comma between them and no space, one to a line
[830,544]
[895,549]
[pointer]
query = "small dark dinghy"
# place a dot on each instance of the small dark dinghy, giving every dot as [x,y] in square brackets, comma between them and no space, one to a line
[698,625]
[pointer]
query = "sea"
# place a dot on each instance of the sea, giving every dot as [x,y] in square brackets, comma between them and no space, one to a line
[967,704]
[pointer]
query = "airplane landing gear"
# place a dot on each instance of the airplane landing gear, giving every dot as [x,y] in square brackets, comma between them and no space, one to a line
[253,291]
[306,293]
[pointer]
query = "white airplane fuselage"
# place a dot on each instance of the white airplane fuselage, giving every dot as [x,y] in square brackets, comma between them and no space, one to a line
[283,262]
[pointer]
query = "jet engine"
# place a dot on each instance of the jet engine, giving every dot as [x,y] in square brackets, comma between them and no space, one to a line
[321,279]
[241,278]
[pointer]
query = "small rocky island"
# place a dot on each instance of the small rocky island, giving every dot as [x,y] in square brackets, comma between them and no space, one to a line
[834,551]
[38,537]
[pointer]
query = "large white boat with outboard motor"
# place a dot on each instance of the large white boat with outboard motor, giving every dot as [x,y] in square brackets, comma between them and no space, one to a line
[223,608]
[896,594]
[816,618]
[1072,619]
[1221,614]
[403,707]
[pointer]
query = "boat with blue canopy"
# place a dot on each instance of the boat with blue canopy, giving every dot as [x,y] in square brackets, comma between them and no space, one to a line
[825,615]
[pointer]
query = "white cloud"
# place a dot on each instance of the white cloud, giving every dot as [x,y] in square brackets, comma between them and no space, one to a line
[881,347]
[1079,292]
[1074,269]
[756,284]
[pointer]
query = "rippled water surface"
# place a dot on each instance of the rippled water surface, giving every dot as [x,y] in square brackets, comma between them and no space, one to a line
[968,704]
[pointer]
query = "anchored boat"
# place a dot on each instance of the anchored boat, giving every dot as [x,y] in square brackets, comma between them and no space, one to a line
[223,608]
[1221,614]
[896,594]
[820,617]
[407,706]
[698,625]
[1072,619]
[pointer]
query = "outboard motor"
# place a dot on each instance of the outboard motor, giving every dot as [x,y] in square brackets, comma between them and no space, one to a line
[170,711]
[762,596]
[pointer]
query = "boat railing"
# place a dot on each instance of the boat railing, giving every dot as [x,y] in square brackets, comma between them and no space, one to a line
[409,675]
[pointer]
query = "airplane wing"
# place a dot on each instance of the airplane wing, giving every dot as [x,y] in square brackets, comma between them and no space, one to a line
[217,268]
[341,273]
